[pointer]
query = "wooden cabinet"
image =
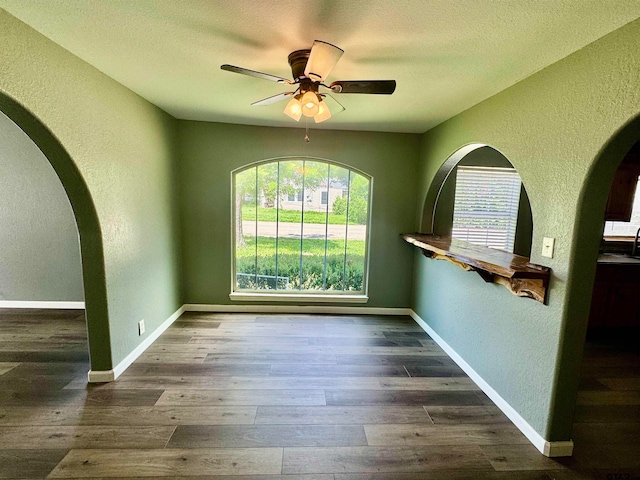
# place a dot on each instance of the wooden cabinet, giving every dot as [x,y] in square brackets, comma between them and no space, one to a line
[623,190]
[616,300]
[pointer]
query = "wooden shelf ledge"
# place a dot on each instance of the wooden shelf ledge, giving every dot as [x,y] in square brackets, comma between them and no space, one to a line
[512,271]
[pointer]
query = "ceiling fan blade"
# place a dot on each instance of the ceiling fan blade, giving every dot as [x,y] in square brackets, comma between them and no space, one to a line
[273,99]
[337,106]
[322,59]
[253,73]
[379,87]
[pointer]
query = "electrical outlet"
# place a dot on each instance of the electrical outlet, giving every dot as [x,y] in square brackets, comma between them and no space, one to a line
[140,327]
[547,247]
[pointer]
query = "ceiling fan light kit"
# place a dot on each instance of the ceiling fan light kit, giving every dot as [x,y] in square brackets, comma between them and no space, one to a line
[323,112]
[310,68]
[294,108]
[309,104]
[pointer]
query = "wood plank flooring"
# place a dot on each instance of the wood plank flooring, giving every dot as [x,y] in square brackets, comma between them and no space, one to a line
[607,421]
[283,397]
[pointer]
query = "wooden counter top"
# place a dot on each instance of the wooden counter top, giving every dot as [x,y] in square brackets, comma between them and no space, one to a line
[515,272]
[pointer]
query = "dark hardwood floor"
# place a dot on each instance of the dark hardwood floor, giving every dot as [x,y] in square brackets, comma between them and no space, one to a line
[606,431]
[276,397]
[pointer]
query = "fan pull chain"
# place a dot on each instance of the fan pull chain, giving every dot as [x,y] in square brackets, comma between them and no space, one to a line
[306,137]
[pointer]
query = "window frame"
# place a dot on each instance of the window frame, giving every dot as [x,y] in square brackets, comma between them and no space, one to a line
[328,296]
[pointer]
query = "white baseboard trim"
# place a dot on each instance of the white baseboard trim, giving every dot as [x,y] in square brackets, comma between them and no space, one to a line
[333,309]
[42,304]
[558,449]
[102,376]
[550,449]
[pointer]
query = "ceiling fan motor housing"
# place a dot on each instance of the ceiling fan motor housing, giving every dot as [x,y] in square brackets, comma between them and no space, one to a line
[298,62]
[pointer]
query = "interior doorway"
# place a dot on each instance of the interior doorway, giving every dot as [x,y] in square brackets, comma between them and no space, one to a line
[88,228]
[42,318]
[606,429]
[39,244]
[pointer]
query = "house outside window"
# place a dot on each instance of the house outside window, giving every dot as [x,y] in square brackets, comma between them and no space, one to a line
[318,246]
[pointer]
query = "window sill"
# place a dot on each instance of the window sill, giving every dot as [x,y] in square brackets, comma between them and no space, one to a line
[293,297]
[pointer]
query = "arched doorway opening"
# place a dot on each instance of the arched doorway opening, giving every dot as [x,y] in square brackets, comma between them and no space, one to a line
[39,246]
[91,248]
[601,366]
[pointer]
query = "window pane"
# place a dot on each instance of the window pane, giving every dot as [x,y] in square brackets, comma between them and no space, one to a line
[357,231]
[314,225]
[267,226]
[337,230]
[245,221]
[486,206]
[289,226]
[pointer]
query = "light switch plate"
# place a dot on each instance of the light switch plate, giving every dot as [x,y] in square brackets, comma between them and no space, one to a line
[140,327]
[547,247]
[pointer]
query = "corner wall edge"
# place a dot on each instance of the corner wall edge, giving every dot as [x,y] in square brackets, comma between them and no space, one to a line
[103,376]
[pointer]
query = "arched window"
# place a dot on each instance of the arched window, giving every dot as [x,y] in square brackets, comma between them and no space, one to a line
[300,226]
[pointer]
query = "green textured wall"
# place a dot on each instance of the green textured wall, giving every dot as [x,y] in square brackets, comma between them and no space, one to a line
[39,248]
[100,135]
[209,152]
[552,127]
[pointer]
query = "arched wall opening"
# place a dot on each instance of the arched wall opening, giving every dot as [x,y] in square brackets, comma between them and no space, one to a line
[438,211]
[588,231]
[39,244]
[91,248]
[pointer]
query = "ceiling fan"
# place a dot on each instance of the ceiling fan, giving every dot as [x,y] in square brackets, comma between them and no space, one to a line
[310,69]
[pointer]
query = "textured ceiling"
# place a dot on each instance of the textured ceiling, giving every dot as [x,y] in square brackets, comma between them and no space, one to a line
[446,55]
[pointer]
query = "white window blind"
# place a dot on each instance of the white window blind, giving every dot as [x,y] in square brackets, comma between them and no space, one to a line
[486,206]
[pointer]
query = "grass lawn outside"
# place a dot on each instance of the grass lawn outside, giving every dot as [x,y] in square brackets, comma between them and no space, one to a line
[292,216]
[257,269]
